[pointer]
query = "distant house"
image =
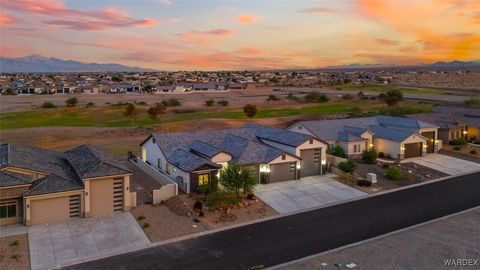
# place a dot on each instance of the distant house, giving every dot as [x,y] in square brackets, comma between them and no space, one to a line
[43,186]
[395,136]
[272,154]
[125,88]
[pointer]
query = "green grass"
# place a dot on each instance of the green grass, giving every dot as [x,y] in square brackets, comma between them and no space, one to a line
[388,87]
[112,116]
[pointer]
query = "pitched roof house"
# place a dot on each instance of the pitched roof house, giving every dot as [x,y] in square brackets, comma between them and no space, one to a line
[395,136]
[194,158]
[40,186]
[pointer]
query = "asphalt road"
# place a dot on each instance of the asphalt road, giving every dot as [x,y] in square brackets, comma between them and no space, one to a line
[292,237]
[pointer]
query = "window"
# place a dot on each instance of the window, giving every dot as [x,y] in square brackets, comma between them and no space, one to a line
[457,134]
[203,179]
[284,157]
[159,164]
[310,141]
[292,167]
[300,127]
[8,209]
[331,146]
[452,135]
[316,156]
[356,148]
[153,140]
[167,168]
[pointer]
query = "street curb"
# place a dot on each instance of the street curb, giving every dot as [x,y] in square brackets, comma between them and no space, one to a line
[372,239]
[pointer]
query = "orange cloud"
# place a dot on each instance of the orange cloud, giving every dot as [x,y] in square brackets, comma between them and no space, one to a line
[251,50]
[5,19]
[317,10]
[386,42]
[204,37]
[60,16]
[247,19]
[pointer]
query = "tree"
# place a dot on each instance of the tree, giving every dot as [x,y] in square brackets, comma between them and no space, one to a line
[337,151]
[223,102]
[130,112]
[316,97]
[71,102]
[250,110]
[209,102]
[236,179]
[154,111]
[392,97]
[147,89]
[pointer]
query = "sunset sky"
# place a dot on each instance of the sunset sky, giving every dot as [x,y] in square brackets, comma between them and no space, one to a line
[242,34]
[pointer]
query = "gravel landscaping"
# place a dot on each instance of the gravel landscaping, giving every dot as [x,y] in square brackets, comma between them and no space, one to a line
[14,252]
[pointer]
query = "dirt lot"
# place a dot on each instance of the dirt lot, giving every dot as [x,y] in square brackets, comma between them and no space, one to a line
[14,252]
[176,217]
[458,80]
[419,174]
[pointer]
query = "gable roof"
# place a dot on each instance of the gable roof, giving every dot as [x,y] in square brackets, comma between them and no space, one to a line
[279,135]
[188,161]
[349,137]
[204,149]
[393,134]
[9,179]
[89,163]
[53,184]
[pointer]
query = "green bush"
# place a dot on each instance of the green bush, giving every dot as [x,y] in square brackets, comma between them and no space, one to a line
[71,102]
[400,109]
[89,104]
[171,102]
[473,152]
[369,156]
[458,142]
[292,97]
[347,97]
[316,97]
[272,98]
[14,243]
[394,172]
[223,102]
[250,110]
[337,151]
[348,166]
[222,199]
[48,105]
[141,217]
[209,102]
[146,225]
[364,183]
[473,102]
[381,154]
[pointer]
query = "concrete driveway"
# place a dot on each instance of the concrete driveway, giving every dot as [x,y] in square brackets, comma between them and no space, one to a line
[446,164]
[81,239]
[308,192]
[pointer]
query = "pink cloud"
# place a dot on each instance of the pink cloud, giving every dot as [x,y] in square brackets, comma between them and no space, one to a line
[204,37]
[247,18]
[251,51]
[318,10]
[5,19]
[60,16]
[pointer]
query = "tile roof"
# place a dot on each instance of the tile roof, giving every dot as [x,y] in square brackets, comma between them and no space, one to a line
[89,163]
[8,180]
[349,137]
[279,135]
[204,149]
[188,161]
[53,184]
[393,134]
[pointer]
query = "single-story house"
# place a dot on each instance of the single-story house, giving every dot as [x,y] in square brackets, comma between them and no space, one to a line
[395,136]
[453,123]
[42,186]
[272,154]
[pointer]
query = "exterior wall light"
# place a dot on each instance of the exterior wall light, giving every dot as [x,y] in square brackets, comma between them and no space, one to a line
[264,168]
[299,166]
[324,162]
[465,132]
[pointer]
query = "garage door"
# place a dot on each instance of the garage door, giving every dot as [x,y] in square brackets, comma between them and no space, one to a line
[101,196]
[49,210]
[413,150]
[310,162]
[282,172]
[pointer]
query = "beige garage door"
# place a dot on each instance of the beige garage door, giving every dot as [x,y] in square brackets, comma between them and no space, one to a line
[50,210]
[282,172]
[101,196]
[310,162]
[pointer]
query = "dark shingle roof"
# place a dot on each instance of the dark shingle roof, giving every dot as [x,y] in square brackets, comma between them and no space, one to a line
[8,180]
[53,184]
[349,137]
[282,136]
[204,149]
[89,163]
[188,161]
[394,134]
[402,122]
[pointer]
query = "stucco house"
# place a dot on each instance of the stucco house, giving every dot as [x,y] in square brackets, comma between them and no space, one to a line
[272,154]
[395,136]
[42,186]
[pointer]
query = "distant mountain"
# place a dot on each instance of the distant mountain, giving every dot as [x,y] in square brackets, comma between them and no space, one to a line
[455,64]
[37,63]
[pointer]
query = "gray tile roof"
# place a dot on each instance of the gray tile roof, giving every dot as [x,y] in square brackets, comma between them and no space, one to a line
[279,135]
[349,137]
[204,149]
[53,184]
[393,134]
[89,163]
[188,161]
[8,180]
[402,122]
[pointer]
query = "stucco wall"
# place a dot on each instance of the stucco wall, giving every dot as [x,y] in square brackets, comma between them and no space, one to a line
[387,147]
[221,157]
[164,193]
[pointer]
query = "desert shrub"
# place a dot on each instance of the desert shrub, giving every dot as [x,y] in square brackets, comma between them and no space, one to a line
[223,102]
[141,103]
[171,102]
[392,97]
[337,151]
[458,142]
[89,104]
[48,105]
[15,257]
[364,183]
[348,166]
[457,148]
[141,217]
[347,97]
[146,225]
[369,156]
[272,98]
[250,110]
[473,152]
[14,243]
[154,111]
[316,97]
[291,97]
[400,109]
[394,172]
[250,196]
[71,102]
[473,102]
[209,102]
[197,206]
[222,199]
[381,154]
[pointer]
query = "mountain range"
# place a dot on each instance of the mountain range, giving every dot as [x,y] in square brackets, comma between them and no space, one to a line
[38,63]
